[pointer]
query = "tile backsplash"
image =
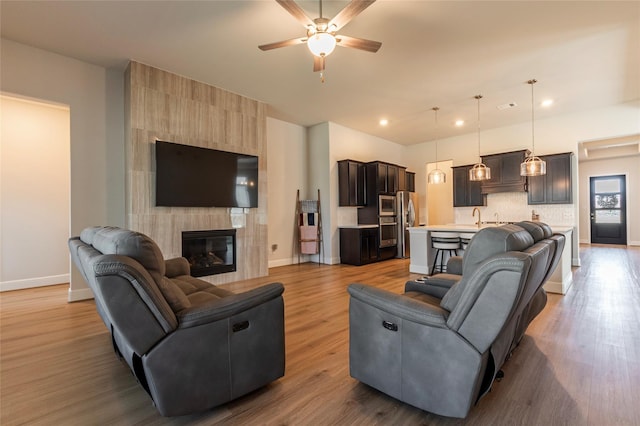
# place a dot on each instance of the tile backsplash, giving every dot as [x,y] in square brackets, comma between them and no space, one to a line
[513,207]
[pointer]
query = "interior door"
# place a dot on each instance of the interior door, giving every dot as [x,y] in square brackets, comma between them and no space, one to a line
[608,209]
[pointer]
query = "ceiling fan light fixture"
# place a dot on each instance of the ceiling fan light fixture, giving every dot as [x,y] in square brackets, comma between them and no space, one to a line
[321,44]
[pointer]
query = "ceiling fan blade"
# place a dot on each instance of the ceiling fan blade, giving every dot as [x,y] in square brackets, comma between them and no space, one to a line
[295,11]
[349,12]
[358,43]
[318,63]
[283,43]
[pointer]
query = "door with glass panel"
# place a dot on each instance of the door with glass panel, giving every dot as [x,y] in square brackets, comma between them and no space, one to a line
[608,210]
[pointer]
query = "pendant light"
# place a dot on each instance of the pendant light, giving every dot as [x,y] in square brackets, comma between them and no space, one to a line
[436,176]
[532,165]
[479,171]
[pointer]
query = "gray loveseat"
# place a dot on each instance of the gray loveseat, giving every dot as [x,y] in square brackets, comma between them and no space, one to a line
[190,344]
[442,354]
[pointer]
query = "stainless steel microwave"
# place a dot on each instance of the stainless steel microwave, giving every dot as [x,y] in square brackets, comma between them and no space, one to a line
[386,205]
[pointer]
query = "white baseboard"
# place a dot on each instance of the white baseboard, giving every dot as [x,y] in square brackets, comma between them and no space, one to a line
[34,282]
[556,287]
[629,243]
[303,259]
[79,294]
[418,269]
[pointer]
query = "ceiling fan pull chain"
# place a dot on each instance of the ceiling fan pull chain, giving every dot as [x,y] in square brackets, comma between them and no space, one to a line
[322,76]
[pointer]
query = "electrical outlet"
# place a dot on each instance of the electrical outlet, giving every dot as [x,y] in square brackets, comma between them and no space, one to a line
[274,247]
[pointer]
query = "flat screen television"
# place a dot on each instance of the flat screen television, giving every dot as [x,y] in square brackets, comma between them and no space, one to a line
[191,176]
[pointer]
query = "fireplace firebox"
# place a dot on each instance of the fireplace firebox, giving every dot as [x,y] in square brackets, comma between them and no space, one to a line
[210,252]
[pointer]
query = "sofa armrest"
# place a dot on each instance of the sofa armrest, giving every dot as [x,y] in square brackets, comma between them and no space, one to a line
[425,288]
[226,307]
[176,267]
[399,305]
[454,265]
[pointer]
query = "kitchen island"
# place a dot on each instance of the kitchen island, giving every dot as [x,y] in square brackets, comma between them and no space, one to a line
[422,254]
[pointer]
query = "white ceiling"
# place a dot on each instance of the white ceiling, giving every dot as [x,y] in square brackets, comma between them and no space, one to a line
[585,54]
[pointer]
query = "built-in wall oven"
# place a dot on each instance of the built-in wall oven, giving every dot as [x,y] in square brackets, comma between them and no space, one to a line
[388,231]
[386,205]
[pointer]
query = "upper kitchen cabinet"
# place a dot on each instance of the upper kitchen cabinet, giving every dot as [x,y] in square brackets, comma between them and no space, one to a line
[402,179]
[411,181]
[465,192]
[351,183]
[505,172]
[383,177]
[555,186]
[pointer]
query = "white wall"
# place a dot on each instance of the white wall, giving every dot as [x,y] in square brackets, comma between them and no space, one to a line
[628,166]
[441,210]
[346,143]
[96,101]
[287,172]
[326,143]
[34,193]
[318,165]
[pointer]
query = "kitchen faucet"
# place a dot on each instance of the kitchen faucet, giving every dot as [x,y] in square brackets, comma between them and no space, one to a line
[497,216]
[474,215]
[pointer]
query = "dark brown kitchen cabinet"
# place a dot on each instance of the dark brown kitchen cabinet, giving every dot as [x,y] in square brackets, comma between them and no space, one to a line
[402,179]
[358,246]
[383,177]
[411,181]
[466,193]
[351,183]
[505,172]
[555,186]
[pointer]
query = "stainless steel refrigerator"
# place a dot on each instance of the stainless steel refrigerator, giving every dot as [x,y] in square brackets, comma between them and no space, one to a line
[407,216]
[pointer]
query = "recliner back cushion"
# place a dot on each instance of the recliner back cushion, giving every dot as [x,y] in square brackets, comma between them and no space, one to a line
[135,245]
[486,243]
[533,228]
[491,241]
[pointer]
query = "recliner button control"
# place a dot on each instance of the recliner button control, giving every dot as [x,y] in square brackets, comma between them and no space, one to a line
[240,326]
[390,326]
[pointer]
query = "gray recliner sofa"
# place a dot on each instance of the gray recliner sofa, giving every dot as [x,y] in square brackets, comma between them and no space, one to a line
[442,354]
[191,345]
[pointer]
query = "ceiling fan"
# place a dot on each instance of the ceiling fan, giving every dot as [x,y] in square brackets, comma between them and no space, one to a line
[321,36]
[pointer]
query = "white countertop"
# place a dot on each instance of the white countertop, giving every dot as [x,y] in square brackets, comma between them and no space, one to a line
[357,226]
[461,227]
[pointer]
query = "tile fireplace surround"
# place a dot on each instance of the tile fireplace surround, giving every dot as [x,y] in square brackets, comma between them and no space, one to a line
[164,106]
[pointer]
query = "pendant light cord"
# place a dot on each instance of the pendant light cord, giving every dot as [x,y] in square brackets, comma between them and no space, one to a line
[478,97]
[533,139]
[436,109]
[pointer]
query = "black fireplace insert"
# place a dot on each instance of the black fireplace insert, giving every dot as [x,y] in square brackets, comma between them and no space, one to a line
[210,252]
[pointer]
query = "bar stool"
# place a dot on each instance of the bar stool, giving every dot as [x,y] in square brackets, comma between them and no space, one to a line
[465,237]
[444,242]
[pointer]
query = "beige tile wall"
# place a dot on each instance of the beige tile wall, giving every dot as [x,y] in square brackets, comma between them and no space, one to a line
[168,107]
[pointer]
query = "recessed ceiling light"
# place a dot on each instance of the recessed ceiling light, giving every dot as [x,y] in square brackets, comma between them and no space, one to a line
[384,122]
[507,106]
[459,123]
[547,102]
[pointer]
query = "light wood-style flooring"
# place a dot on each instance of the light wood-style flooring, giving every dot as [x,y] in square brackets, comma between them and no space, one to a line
[579,363]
